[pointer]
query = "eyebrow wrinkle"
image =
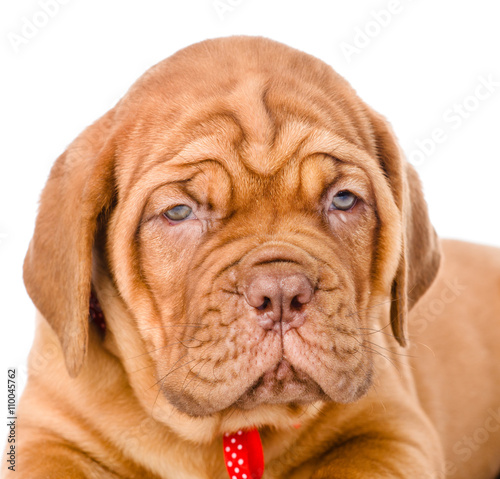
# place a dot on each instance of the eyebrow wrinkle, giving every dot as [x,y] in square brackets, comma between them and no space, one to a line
[191,125]
[251,112]
[192,194]
[186,182]
[242,137]
[271,116]
[140,170]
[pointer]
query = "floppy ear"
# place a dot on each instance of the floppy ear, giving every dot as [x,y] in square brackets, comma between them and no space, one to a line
[420,255]
[58,264]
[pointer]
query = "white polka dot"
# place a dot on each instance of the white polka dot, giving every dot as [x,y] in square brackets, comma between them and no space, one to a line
[230,463]
[228,449]
[240,447]
[234,477]
[244,476]
[240,433]
[240,461]
[226,434]
[233,455]
[233,440]
[236,469]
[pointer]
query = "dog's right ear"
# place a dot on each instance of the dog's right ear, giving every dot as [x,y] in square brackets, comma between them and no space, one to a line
[58,265]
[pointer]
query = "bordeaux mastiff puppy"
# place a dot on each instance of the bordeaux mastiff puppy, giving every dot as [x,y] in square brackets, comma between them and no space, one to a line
[249,241]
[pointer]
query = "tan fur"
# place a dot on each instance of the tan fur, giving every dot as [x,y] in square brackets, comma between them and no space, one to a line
[257,138]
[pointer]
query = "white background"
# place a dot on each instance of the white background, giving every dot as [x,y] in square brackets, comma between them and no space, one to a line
[415,66]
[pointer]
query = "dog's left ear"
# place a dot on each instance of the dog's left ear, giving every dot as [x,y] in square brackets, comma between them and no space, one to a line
[421,254]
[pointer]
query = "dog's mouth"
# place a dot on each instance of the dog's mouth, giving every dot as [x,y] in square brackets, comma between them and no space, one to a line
[284,384]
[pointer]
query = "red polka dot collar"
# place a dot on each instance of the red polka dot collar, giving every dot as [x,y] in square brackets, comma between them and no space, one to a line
[243,454]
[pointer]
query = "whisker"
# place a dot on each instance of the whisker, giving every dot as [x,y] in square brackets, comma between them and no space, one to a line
[196,375]
[207,360]
[371,307]
[390,351]
[165,377]
[178,325]
[154,350]
[172,369]
[374,351]
[142,369]
[374,331]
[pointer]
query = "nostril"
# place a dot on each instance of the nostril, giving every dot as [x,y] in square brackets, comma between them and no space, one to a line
[265,304]
[296,304]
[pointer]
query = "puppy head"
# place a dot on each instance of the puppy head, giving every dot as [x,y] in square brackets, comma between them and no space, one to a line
[256,213]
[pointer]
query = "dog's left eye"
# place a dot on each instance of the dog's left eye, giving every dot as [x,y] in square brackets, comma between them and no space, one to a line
[343,200]
[178,213]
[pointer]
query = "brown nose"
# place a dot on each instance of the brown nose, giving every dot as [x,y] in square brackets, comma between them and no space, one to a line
[279,299]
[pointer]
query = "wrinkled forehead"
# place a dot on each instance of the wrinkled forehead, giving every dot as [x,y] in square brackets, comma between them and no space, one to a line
[254,107]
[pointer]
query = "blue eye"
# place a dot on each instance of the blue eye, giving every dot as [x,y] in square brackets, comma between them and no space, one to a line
[178,213]
[343,200]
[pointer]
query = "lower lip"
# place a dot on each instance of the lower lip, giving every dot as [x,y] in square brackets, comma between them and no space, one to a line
[282,384]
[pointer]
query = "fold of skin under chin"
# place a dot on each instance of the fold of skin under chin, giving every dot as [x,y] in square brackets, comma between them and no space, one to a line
[206,429]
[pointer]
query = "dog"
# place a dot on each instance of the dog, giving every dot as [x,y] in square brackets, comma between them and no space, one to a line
[248,241]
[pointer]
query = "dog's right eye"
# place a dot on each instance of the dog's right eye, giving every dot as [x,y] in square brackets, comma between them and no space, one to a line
[178,213]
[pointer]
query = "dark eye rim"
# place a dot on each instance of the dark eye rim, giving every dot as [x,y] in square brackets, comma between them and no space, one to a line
[332,207]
